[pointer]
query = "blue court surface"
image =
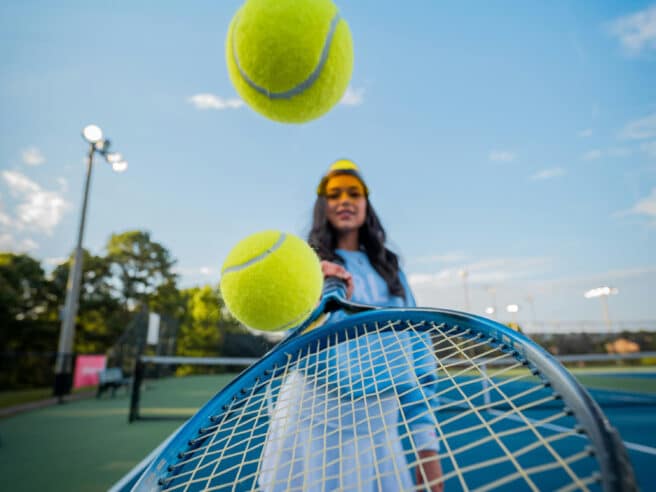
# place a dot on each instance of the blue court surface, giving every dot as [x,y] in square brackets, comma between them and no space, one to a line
[476,443]
[88,445]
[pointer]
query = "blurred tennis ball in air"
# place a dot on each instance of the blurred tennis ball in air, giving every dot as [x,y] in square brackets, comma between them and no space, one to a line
[290,60]
[271,281]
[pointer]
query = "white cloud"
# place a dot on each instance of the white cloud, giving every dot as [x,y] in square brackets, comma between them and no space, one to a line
[9,243]
[63,184]
[585,133]
[56,261]
[487,271]
[210,101]
[640,129]
[584,282]
[636,31]
[32,156]
[619,152]
[502,156]
[451,257]
[38,209]
[5,220]
[649,148]
[353,97]
[646,206]
[204,271]
[550,173]
[592,155]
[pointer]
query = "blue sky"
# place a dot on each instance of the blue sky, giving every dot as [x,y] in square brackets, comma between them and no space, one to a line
[514,141]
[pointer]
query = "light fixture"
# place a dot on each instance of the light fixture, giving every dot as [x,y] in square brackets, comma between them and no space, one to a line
[489,310]
[102,146]
[119,166]
[113,157]
[512,308]
[65,357]
[92,134]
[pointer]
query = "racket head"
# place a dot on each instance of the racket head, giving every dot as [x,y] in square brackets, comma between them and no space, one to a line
[603,450]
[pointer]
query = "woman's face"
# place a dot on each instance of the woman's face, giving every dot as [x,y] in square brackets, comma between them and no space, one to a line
[346,203]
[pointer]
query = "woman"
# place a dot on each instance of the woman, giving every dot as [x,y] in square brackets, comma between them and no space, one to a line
[348,237]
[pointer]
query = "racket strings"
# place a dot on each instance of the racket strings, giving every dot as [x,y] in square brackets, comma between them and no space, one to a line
[518,413]
[327,416]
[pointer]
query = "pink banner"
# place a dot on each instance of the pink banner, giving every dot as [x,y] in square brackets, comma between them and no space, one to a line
[87,368]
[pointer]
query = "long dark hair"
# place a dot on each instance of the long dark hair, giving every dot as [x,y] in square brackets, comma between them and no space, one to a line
[323,238]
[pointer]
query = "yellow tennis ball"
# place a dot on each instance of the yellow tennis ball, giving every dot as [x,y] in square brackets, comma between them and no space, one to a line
[271,280]
[290,60]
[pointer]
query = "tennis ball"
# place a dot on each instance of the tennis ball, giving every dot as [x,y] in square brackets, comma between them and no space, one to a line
[271,281]
[290,60]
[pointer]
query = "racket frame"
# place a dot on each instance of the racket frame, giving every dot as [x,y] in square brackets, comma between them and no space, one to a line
[616,471]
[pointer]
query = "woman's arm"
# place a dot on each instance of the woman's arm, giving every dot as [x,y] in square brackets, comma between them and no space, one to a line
[421,412]
[330,269]
[430,468]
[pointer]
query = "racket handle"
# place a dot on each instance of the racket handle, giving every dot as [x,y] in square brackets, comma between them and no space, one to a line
[334,288]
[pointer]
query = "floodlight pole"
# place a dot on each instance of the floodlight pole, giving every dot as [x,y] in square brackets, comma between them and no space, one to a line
[493,293]
[604,308]
[64,362]
[603,293]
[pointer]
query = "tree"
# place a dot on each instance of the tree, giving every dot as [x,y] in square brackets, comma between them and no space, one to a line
[101,316]
[199,331]
[205,324]
[168,299]
[27,339]
[141,265]
[22,288]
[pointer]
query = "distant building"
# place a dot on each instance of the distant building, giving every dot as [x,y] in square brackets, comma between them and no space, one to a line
[622,346]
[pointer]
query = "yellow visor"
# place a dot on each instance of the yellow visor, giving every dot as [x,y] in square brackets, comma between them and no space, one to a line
[339,184]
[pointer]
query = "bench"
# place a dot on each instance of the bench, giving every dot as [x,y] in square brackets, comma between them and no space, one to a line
[111,378]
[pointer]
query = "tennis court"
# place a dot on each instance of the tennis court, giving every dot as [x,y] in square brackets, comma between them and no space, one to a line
[88,445]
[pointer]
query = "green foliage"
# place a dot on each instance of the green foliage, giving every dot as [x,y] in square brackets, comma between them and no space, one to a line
[100,318]
[204,325]
[22,288]
[135,272]
[141,266]
[25,332]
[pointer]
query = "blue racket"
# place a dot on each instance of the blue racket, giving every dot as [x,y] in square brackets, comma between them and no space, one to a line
[364,398]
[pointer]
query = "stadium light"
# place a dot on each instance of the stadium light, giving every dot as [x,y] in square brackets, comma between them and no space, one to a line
[600,291]
[92,134]
[603,293]
[64,362]
[489,310]
[513,309]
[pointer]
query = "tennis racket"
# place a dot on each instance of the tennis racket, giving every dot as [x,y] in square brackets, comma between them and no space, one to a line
[364,398]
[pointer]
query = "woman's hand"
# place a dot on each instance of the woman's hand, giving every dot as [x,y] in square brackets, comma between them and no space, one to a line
[330,269]
[430,468]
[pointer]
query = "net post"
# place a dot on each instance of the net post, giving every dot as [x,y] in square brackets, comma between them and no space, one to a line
[137,380]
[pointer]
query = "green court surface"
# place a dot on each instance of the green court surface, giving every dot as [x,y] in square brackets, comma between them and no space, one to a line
[88,445]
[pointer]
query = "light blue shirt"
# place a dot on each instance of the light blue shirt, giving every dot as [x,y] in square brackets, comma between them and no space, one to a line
[372,367]
[369,286]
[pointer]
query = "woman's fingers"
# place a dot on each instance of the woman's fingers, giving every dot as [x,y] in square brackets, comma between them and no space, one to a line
[331,269]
